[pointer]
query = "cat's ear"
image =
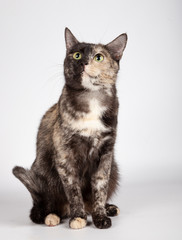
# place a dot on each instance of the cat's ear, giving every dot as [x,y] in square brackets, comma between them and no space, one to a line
[70,39]
[117,46]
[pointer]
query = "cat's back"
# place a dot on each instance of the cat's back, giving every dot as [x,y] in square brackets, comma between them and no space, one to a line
[46,126]
[50,116]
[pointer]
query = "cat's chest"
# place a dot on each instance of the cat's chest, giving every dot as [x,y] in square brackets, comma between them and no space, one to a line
[90,123]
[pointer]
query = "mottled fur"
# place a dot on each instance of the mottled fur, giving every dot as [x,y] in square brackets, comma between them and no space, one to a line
[74,172]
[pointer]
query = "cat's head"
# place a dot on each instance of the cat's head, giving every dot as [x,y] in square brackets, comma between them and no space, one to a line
[92,66]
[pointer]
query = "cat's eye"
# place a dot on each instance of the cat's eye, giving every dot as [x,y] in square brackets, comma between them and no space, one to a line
[99,57]
[77,55]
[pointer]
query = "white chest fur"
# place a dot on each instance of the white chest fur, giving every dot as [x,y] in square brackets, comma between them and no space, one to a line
[90,122]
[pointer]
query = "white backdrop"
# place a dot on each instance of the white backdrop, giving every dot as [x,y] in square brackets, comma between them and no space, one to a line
[32,50]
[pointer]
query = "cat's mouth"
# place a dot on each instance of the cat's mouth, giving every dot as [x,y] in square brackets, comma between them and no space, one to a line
[88,74]
[93,79]
[96,83]
[96,80]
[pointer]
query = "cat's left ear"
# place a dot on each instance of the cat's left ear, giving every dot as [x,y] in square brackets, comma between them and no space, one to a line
[117,46]
[70,39]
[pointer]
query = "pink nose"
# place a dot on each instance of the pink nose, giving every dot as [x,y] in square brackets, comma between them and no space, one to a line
[86,66]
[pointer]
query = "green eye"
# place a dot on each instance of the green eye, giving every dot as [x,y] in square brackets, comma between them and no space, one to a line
[99,57]
[77,55]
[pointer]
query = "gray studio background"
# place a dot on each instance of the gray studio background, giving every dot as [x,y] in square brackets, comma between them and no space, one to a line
[149,142]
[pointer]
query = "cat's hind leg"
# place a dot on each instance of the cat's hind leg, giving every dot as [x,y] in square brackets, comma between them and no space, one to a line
[38,213]
[44,208]
[112,210]
[45,213]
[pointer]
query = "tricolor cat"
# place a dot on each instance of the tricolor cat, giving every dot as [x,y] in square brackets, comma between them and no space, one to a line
[75,173]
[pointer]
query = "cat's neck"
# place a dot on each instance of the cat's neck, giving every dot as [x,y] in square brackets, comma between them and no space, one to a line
[82,111]
[102,93]
[78,101]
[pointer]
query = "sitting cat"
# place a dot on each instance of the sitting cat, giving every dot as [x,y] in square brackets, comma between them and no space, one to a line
[74,172]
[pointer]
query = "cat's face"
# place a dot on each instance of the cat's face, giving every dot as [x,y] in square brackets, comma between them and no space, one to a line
[92,66]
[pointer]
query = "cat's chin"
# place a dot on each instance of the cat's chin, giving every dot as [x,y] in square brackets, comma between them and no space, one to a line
[90,82]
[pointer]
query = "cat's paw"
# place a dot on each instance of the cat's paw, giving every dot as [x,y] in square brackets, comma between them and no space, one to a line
[77,223]
[112,210]
[102,221]
[52,220]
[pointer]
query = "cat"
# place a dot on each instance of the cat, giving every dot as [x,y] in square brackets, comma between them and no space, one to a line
[75,173]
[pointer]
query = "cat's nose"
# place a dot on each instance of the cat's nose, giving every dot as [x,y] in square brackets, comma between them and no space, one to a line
[83,64]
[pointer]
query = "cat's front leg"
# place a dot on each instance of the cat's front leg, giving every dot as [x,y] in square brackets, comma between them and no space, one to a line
[65,165]
[100,181]
[73,193]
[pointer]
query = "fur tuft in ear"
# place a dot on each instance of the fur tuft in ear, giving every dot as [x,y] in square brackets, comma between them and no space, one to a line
[117,46]
[70,39]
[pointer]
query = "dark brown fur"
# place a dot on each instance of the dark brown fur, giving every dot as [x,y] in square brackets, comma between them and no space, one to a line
[74,172]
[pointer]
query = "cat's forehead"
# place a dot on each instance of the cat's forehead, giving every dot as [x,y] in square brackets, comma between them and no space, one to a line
[99,48]
[89,48]
[83,47]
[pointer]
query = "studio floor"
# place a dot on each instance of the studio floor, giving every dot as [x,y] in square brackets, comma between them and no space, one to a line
[152,212]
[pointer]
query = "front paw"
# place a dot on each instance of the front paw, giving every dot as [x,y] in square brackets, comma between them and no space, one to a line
[52,220]
[101,221]
[77,223]
[112,210]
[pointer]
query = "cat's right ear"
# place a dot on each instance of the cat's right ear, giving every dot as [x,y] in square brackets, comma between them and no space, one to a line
[70,39]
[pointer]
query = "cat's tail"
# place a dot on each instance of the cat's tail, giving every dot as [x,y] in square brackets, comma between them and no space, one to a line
[30,180]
